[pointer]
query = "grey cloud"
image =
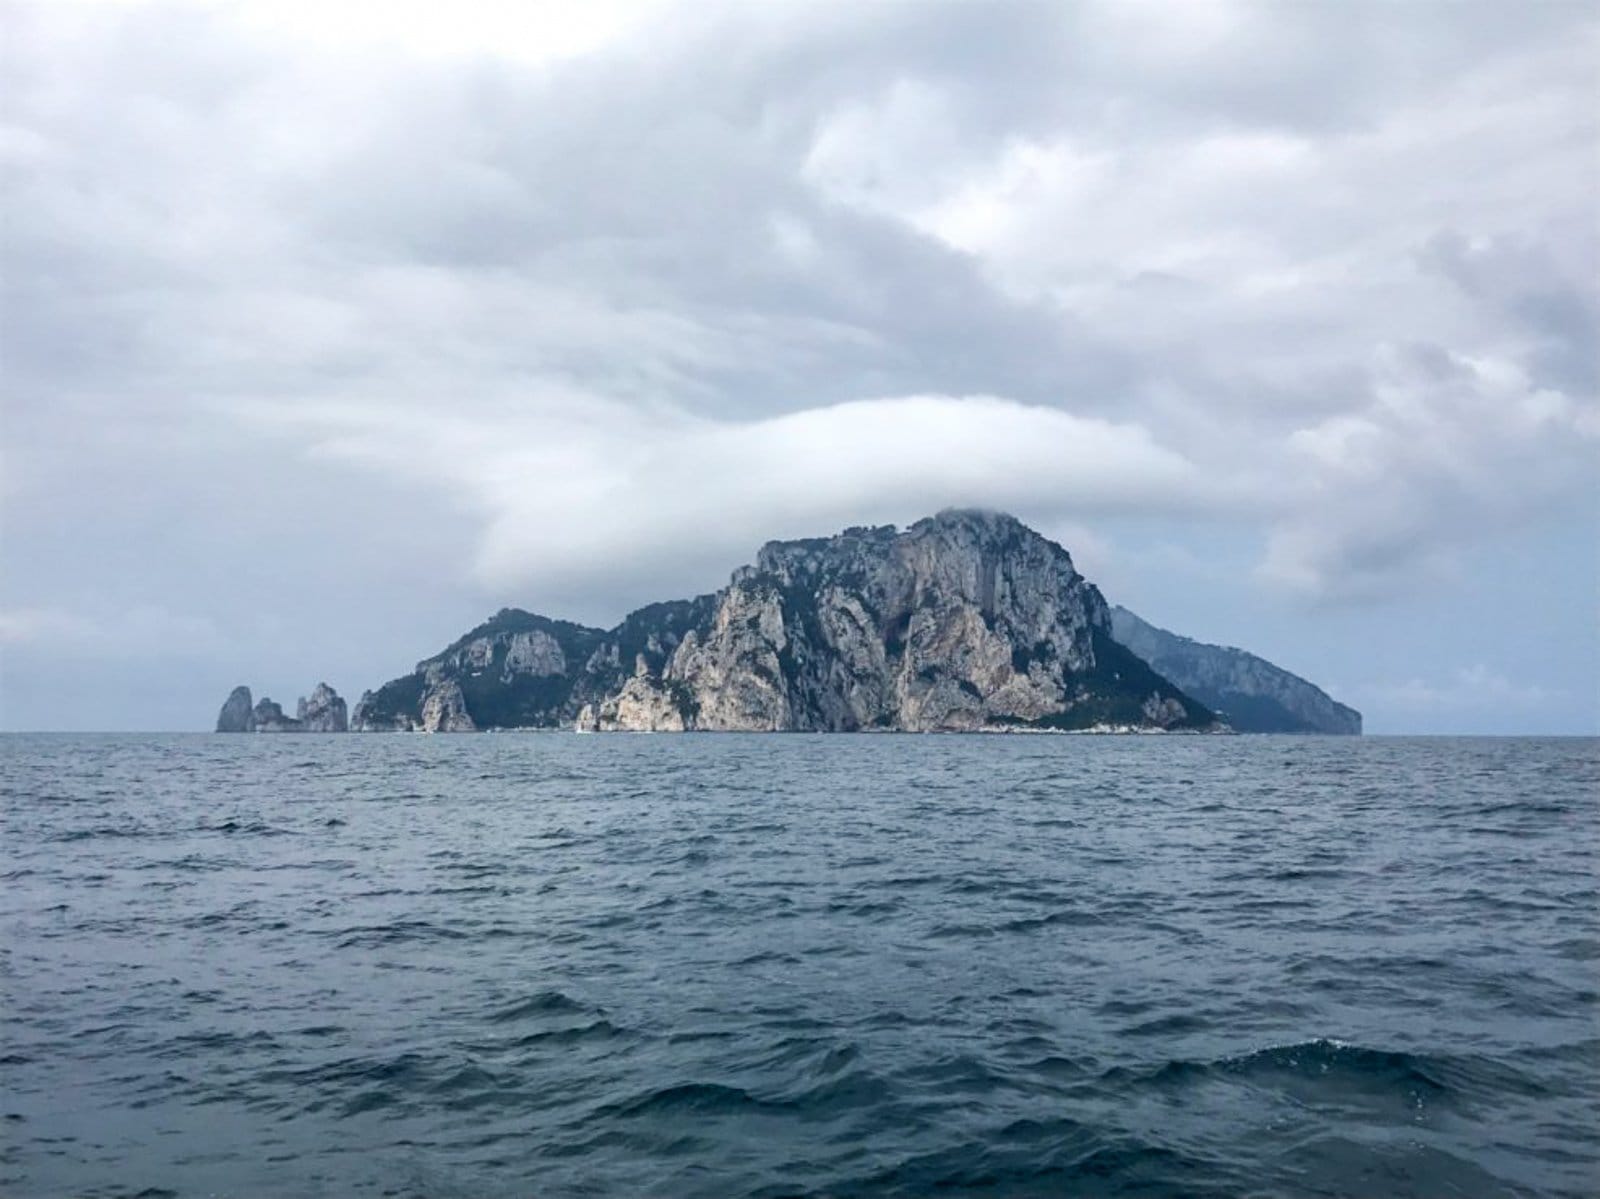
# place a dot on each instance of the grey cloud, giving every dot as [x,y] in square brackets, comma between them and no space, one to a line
[245,273]
[1552,297]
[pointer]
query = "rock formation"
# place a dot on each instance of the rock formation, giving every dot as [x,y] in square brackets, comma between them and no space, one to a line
[518,670]
[965,621]
[1248,692]
[324,712]
[237,715]
[269,718]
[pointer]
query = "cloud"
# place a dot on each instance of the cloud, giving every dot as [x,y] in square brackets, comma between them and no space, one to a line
[1470,689]
[135,633]
[1448,450]
[587,490]
[605,299]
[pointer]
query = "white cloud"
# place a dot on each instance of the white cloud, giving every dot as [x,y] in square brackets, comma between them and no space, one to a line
[624,289]
[1447,451]
[138,632]
[1470,689]
[526,31]
[584,493]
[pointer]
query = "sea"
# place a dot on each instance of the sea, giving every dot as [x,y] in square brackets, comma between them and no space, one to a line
[795,965]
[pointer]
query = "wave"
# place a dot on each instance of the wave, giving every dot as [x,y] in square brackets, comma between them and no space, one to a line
[543,1003]
[1326,1072]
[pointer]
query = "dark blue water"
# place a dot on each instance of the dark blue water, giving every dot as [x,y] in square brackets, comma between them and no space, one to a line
[724,965]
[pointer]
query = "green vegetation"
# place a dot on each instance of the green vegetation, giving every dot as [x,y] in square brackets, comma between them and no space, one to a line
[395,701]
[1257,714]
[668,622]
[1114,692]
[576,640]
[522,701]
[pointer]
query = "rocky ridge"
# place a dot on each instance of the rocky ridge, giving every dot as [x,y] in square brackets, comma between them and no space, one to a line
[965,621]
[1248,692]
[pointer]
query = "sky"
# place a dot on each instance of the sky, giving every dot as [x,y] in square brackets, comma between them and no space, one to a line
[327,330]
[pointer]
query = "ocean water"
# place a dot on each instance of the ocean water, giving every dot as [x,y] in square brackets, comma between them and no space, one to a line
[552,965]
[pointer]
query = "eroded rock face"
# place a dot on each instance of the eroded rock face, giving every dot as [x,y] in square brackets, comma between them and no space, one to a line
[964,621]
[535,653]
[643,705]
[968,620]
[238,714]
[269,718]
[1249,692]
[519,670]
[324,712]
[444,709]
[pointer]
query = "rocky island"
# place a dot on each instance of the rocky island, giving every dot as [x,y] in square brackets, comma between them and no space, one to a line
[967,621]
[324,712]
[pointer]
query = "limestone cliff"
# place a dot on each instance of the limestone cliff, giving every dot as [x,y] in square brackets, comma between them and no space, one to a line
[964,621]
[238,713]
[270,718]
[324,712]
[1250,693]
[519,670]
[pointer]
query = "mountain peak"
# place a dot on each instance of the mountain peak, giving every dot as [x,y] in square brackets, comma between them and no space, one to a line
[984,518]
[967,620]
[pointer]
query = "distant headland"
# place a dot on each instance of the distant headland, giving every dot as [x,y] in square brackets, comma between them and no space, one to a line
[967,621]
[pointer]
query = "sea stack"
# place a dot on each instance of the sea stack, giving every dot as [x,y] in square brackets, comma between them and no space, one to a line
[237,715]
[324,712]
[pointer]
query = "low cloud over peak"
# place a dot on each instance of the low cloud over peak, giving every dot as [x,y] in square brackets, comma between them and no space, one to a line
[607,300]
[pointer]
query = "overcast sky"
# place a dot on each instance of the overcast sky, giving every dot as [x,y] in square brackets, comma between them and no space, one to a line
[330,328]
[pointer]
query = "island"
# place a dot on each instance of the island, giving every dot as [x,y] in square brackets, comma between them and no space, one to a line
[967,621]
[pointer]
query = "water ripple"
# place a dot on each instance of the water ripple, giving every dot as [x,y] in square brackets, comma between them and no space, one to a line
[771,966]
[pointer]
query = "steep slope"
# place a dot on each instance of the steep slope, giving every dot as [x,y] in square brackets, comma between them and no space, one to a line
[519,670]
[1250,693]
[967,620]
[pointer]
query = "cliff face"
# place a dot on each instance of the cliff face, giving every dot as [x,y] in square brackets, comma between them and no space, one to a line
[518,670]
[1248,692]
[269,718]
[964,621]
[324,712]
[238,713]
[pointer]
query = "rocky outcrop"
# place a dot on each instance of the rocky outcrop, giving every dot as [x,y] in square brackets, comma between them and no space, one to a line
[643,705]
[269,718]
[1250,693]
[518,670]
[238,714]
[965,621]
[324,712]
[444,709]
